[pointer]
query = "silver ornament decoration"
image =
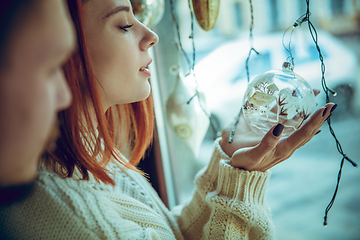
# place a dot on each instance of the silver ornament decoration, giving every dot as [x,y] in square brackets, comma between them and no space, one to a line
[149,12]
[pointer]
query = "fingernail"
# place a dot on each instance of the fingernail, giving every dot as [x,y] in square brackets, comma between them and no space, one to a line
[324,112]
[278,130]
[317,132]
[333,108]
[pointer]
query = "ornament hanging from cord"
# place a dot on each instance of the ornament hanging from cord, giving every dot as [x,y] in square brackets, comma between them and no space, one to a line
[206,12]
[277,96]
[149,13]
[187,113]
[259,98]
[189,120]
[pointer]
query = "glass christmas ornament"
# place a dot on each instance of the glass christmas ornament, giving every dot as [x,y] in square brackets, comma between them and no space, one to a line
[149,12]
[278,96]
[206,12]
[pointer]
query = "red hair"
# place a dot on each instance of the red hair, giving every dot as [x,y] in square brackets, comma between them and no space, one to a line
[88,148]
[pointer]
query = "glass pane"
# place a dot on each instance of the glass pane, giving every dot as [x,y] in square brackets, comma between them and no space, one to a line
[301,187]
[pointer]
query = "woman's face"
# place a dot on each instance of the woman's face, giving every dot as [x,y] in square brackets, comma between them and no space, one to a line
[118,47]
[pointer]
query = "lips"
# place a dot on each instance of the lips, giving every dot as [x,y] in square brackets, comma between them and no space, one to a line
[145,69]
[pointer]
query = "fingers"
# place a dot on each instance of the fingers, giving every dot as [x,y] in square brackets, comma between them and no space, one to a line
[288,146]
[260,156]
[271,150]
[327,112]
[269,141]
[309,129]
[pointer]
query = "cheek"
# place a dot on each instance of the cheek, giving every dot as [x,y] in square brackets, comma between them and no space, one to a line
[36,111]
[28,115]
[116,68]
[112,59]
[116,59]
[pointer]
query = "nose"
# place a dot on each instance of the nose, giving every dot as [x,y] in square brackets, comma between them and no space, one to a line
[149,40]
[63,93]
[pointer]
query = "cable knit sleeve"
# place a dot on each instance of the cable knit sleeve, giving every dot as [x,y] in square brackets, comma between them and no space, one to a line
[228,203]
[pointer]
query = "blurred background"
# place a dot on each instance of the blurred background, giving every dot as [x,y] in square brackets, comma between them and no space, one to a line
[300,188]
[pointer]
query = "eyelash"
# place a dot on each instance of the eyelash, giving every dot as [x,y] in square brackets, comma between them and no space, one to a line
[124,28]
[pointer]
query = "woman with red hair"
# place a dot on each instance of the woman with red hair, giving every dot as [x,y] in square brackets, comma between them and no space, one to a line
[86,189]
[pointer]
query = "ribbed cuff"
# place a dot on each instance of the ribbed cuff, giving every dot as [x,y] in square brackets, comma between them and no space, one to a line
[208,176]
[218,154]
[242,185]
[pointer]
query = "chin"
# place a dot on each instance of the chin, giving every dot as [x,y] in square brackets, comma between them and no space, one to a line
[147,95]
[143,95]
[140,94]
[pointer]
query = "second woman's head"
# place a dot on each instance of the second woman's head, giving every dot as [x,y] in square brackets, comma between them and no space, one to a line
[117,46]
[109,80]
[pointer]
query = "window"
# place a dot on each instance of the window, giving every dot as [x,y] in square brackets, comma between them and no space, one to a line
[301,187]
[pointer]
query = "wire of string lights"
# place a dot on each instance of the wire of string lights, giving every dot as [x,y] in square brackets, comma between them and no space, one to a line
[191,65]
[179,43]
[296,24]
[327,91]
[252,49]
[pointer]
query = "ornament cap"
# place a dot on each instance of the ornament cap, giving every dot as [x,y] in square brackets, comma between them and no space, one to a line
[288,66]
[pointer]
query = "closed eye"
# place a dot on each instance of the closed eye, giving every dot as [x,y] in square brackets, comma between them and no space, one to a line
[124,28]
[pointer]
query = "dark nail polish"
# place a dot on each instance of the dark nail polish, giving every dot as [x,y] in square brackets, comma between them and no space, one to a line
[324,112]
[317,132]
[333,108]
[278,130]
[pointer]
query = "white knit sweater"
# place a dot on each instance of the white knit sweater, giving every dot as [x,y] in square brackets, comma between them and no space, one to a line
[228,203]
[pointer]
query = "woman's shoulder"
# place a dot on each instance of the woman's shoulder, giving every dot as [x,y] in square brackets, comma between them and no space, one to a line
[67,204]
[51,205]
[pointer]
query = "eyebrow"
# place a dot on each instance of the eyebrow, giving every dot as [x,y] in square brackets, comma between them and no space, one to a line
[117,9]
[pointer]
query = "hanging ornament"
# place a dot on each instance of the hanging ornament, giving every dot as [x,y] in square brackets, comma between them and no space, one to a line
[278,96]
[149,12]
[206,12]
[187,118]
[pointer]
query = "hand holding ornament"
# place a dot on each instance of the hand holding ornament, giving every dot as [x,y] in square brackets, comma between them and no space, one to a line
[250,151]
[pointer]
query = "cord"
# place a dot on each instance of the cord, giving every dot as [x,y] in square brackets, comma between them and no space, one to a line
[191,65]
[252,49]
[327,90]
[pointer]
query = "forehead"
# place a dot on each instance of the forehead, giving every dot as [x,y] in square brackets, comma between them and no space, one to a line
[53,20]
[103,7]
[43,28]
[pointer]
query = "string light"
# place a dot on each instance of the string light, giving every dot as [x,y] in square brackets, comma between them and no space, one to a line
[191,65]
[252,49]
[296,24]
[327,90]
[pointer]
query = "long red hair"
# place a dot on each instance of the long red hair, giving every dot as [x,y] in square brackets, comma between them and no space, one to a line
[88,148]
